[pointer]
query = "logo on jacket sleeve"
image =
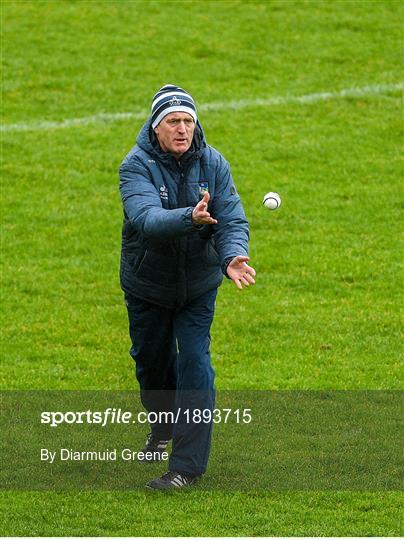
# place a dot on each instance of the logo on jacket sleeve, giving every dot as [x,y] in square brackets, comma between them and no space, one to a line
[163,193]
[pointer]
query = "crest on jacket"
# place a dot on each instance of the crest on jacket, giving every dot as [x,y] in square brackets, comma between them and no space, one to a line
[203,187]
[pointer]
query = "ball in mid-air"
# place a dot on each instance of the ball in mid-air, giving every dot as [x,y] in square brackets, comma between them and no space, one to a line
[272,201]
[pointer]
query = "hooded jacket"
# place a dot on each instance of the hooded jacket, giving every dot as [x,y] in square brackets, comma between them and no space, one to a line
[165,258]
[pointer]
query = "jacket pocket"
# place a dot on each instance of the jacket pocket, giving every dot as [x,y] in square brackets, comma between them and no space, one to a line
[157,268]
[212,254]
[139,260]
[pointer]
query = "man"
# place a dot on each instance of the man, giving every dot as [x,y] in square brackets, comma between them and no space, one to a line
[184,227]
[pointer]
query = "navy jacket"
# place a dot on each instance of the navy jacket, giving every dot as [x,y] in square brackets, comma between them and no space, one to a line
[165,258]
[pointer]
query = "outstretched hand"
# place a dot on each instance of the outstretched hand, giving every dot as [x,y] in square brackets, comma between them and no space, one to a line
[240,273]
[200,214]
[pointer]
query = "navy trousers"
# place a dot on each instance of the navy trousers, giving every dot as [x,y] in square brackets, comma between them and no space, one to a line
[171,349]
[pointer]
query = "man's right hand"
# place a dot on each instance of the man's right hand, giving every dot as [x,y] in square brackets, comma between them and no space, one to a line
[200,214]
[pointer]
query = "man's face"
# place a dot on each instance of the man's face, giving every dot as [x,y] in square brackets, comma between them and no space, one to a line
[175,133]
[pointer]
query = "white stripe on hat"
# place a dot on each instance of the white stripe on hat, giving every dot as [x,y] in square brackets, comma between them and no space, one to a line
[172,94]
[169,110]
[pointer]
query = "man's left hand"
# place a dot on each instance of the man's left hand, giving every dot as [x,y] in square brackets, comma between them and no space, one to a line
[239,272]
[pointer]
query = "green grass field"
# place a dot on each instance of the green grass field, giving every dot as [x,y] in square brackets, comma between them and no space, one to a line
[325,311]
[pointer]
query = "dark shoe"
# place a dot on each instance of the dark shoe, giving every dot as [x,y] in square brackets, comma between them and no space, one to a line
[153,449]
[171,480]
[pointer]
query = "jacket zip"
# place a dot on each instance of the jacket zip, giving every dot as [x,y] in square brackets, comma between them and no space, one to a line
[182,282]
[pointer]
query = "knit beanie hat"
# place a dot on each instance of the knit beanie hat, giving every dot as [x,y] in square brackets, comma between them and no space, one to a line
[169,99]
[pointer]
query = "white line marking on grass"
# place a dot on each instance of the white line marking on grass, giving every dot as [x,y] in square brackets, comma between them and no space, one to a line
[102,118]
[309,98]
